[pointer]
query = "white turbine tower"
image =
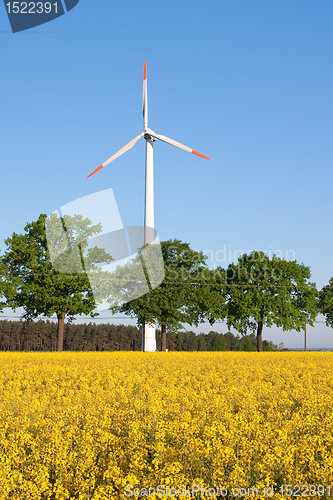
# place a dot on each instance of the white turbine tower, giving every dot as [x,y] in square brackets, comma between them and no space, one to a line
[150,136]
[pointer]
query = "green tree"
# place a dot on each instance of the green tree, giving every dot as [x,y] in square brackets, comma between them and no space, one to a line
[219,343]
[41,288]
[232,341]
[186,341]
[202,345]
[7,285]
[263,291]
[247,343]
[181,298]
[181,337]
[268,345]
[326,302]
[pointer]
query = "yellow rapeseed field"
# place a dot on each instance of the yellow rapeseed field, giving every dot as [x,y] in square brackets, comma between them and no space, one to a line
[210,425]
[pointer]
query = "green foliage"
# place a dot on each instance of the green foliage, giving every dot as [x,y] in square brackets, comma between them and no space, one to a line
[263,291]
[42,336]
[326,303]
[7,285]
[202,346]
[232,341]
[247,343]
[219,343]
[181,298]
[254,292]
[268,345]
[39,287]
[186,341]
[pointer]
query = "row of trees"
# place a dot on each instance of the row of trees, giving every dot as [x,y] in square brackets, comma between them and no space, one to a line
[42,336]
[256,291]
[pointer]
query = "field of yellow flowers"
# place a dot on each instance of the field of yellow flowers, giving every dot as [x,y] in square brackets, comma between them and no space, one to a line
[102,426]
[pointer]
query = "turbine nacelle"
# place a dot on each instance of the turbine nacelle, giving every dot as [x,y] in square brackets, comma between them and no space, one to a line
[148,134]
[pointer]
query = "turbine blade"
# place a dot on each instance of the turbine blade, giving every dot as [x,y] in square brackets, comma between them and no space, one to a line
[128,146]
[145,97]
[177,144]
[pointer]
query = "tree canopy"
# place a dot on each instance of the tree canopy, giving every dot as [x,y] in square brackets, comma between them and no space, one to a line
[180,298]
[263,291]
[59,285]
[326,302]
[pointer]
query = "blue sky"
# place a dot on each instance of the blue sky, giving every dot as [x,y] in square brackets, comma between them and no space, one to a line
[247,83]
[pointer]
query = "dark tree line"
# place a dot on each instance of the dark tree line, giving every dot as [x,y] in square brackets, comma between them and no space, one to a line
[213,341]
[42,336]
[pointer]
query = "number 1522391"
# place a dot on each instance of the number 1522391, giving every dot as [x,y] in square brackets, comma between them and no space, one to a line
[31,7]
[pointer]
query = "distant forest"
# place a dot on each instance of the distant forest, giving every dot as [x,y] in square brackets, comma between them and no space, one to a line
[42,336]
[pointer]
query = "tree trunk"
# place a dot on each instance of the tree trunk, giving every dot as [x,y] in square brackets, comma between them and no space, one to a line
[259,336]
[163,331]
[61,324]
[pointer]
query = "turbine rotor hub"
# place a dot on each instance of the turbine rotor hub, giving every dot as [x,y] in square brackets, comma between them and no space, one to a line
[147,134]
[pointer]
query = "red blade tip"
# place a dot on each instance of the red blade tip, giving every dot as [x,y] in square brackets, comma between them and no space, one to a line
[145,71]
[94,172]
[199,154]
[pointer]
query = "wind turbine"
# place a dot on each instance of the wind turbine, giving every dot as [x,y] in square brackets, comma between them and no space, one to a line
[150,136]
